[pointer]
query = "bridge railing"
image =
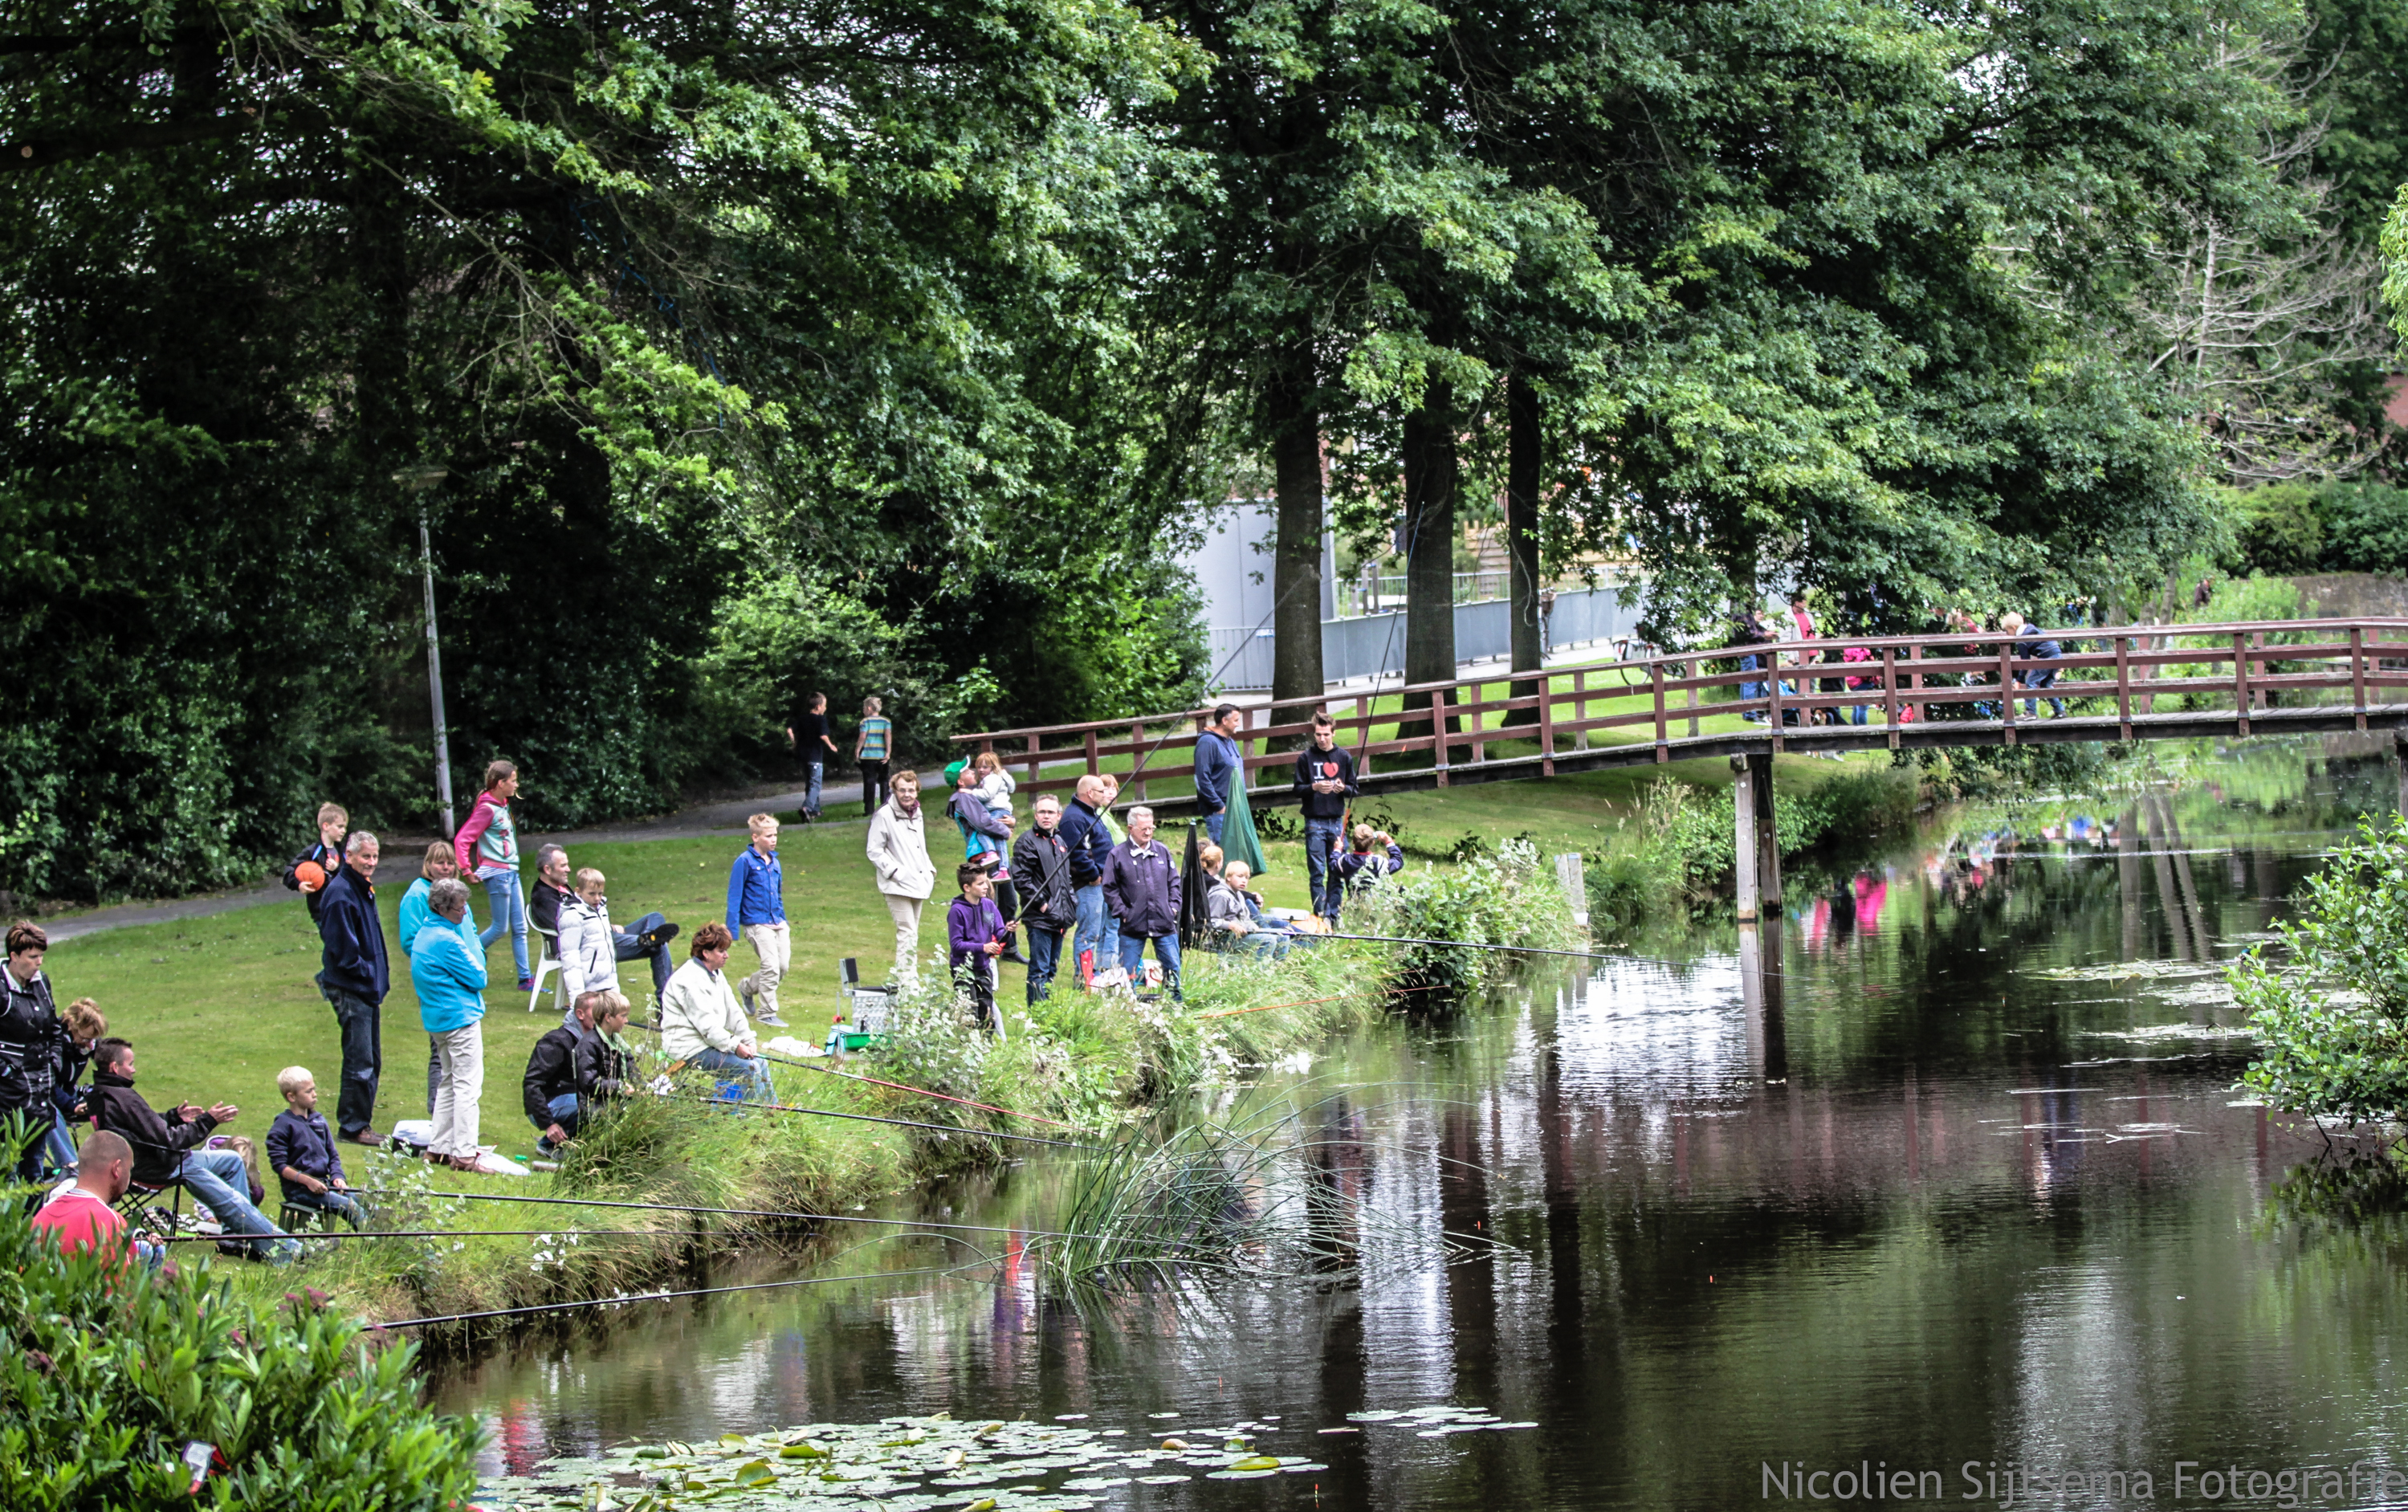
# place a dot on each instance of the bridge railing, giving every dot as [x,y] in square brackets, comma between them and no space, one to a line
[2123,674]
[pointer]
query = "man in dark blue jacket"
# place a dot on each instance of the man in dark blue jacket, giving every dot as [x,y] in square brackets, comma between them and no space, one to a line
[1141,888]
[1089,845]
[1218,768]
[353,977]
[1324,785]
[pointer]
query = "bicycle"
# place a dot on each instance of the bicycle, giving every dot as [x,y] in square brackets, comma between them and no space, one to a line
[1627,648]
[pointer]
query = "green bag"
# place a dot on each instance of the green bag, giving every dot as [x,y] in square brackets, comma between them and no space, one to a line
[1239,841]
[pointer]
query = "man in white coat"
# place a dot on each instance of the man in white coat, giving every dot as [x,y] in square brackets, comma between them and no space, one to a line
[898,849]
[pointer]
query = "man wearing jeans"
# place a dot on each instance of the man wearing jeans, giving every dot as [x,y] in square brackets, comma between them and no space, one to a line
[1324,785]
[810,737]
[488,848]
[167,1152]
[1041,862]
[1141,888]
[1218,768]
[756,909]
[701,1022]
[1090,845]
[353,977]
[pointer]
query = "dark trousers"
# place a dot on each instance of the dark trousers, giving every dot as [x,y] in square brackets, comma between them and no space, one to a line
[1320,837]
[1007,902]
[362,1023]
[874,787]
[1044,954]
[628,945]
[976,975]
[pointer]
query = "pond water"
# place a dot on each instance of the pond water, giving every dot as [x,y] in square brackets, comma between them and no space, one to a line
[1955,1183]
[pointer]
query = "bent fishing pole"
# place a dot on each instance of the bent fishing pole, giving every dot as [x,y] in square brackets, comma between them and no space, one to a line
[1473,944]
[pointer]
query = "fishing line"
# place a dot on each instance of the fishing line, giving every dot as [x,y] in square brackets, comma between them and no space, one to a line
[1300,1002]
[900,1087]
[1531,950]
[874,1119]
[729,1212]
[230,1237]
[662,1296]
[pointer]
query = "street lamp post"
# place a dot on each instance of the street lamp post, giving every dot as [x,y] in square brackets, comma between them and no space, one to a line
[418,481]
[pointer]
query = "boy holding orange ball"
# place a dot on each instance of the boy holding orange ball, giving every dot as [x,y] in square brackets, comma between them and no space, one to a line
[309,869]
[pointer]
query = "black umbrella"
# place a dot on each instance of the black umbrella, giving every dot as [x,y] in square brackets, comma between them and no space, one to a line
[1193,912]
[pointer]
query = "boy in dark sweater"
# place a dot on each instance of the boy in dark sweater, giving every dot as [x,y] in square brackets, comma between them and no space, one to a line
[301,1151]
[974,931]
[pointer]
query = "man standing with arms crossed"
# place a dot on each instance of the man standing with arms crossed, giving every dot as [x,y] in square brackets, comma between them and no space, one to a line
[353,976]
[1325,784]
[1090,845]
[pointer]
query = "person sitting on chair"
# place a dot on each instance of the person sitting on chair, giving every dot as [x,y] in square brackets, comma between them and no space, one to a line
[301,1151]
[575,1064]
[167,1150]
[1237,916]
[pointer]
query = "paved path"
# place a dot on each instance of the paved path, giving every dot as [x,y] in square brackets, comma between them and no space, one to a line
[399,862]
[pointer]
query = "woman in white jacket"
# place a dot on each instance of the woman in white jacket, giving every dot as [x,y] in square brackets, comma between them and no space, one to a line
[589,962]
[898,850]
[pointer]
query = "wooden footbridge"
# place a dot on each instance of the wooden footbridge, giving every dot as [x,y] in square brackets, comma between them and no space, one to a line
[2121,683]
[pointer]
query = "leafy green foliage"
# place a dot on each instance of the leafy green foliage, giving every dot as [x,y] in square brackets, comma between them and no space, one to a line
[2332,1022]
[1504,899]
[108,1374]
[2292,528]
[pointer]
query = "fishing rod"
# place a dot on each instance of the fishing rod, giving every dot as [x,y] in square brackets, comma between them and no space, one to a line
[660,1296]
[900,1087]
[874,1119]
[1470,944]
[1301,1002]
[230,1237]
[725,1211]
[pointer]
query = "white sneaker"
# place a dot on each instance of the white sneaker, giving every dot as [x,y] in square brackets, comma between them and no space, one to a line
[487,1163]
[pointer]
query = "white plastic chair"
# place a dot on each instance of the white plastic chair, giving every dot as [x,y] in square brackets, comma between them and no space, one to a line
[547,967]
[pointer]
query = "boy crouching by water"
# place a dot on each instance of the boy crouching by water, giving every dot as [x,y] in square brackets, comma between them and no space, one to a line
[301,1151]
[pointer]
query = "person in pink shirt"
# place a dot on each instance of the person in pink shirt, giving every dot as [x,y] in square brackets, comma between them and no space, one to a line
[487,846]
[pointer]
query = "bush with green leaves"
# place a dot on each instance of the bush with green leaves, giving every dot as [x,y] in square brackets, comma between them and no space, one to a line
[109,1373]
[2332,1022]
[1504,899]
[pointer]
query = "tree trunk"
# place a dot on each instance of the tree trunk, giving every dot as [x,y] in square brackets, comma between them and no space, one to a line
[1296,555]
[1432,474]
[1522,538]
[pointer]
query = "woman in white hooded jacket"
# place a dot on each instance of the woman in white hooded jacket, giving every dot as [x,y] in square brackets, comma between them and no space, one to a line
[898,849]
[588,960]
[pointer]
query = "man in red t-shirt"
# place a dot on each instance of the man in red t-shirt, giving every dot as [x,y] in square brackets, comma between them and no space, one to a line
[84,1216]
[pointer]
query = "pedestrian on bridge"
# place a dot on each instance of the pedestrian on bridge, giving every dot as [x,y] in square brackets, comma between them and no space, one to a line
[2031,643]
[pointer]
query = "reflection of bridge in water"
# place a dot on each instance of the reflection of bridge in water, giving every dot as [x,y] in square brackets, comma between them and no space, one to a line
[2122,684]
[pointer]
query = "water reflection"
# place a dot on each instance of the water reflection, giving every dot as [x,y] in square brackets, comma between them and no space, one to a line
[1917,1177]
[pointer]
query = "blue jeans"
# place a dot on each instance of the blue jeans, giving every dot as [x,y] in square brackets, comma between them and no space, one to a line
[362,1027]
[568,1110]
[1320,837]
[728,1065]
[1094,934]
[341,1205]
[1750,690]
[1044,955]
[509,913]
[813,771]
[2045,678]
[217,1178]
[62,1143]
[1165,950]
[1212,823]
[628,945]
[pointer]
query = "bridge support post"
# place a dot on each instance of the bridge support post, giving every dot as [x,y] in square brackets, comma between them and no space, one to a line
[1744,839]
[1768,842]
[2398,760]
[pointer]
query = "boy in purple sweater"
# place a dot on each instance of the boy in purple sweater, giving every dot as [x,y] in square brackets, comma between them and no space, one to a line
[974,930]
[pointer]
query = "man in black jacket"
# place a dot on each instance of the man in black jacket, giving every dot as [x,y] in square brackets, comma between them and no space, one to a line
[551,889]
[1324,785]
[1090,845]
[353,976]
[1141,888]
[167,1150]
[31,1044]
[575,1064]
[1040,859]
